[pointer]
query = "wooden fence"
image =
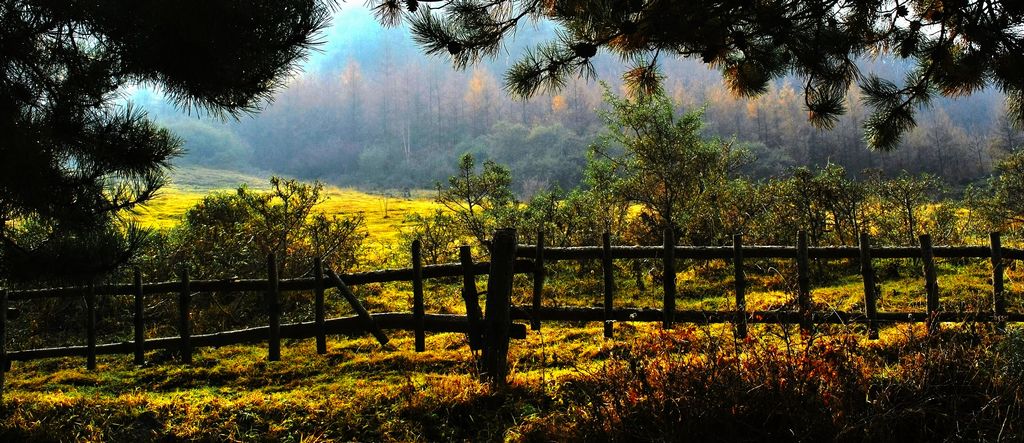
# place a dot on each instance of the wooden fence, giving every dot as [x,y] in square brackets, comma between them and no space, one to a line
[804,315]
[272,287]
[491,333]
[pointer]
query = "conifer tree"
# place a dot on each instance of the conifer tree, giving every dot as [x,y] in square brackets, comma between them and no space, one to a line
[72,159]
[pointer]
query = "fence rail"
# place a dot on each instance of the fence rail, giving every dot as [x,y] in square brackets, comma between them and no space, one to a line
[524,259]
[726,252]
[343,325]
[256,285]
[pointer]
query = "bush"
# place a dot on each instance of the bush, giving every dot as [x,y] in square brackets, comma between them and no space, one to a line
[229,235]
[695,384]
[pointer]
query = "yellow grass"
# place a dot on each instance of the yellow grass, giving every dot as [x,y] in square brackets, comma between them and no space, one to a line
[385,216]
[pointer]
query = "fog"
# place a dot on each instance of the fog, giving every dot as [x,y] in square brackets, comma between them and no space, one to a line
[371,110]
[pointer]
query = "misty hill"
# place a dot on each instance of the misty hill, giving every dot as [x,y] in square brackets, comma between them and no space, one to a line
[373,111]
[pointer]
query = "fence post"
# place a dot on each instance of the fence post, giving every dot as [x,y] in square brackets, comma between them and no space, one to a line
[499,294]
[609,281]
[470,297]
[140,333]
[669,279]
[3,341]
[741,286]
[418,313]
[998,300]
[274,309]
[90,327]
[868,274]
[804,283]
[318,306]
[538,281]
[184,314]
[931,284]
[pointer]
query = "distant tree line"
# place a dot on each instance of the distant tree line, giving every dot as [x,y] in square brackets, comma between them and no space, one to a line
[387,118]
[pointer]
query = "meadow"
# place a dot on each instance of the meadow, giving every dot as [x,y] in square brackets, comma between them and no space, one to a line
[690,383]
[385,212]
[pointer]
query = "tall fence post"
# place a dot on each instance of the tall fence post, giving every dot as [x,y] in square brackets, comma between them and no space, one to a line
[90,327]
[804,283]
[273,309]
[868,275]
[930,282]
[668,258]
[470,297]
[538,281]
[499,297]
[609,282]
[998,296]
[140,332]
[184,317]
[319,312]
[3,341]
[741,286]
[418,313]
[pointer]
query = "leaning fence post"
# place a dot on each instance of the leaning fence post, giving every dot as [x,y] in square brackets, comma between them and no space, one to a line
[609,282]
[90,327]
[184,312]
[538,281]
[741,286]
[930,282]
[804,283]
[669,279]
[318,306]
[998,300]
[274,309]
[418,313]
[368,322]
[868,274]
[140,333]
[499,294]
[471,298]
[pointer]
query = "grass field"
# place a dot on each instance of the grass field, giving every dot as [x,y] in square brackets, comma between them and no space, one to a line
[568,382]
[384,214]
[688,384]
